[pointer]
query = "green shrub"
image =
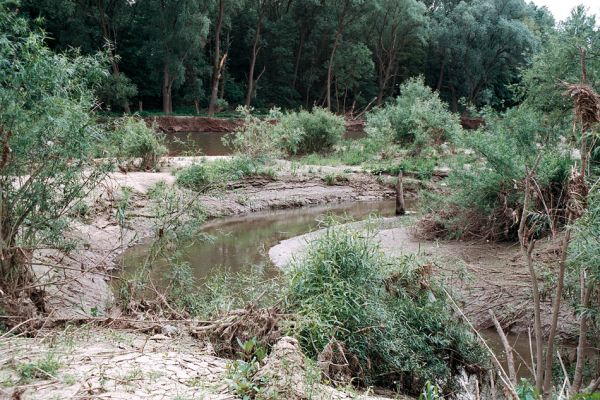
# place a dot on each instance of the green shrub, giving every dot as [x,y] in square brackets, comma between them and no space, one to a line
[256,138]
[306,132]
[486,186]
[387,313]
[215,174]
[417,117]
[132,138]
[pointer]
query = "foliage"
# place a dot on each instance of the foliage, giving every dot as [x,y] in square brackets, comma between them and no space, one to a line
[216,174]
[485,185]
[306,132]
[417,117]
[132,138]
[43,368]
[526,391]
[387,313]
[466,49]
[256,138]
[48,138]
[241,371]
[559,60]
[430,392]
[116,91]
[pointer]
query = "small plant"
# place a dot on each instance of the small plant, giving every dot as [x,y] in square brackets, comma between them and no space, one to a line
[206,176]
[240,372]
[430,392]
[44,368]
[256,137]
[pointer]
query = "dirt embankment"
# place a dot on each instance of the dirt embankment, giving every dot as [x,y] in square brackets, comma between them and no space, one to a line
[167,123]
[482,276]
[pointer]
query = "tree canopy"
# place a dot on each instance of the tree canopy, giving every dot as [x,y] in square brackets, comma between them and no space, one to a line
[340,54]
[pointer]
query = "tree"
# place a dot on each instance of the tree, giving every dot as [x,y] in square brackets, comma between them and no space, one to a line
[399,27]
[346,13]
[176,31]
[47,144]
[478,47]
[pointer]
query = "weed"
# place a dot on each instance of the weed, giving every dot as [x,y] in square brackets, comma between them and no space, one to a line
[240,372]
[44,368]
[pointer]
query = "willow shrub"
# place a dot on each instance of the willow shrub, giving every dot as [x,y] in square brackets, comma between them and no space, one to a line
[305,132]
[48,138]
[486,185]
[418,118]
[388,313]
[133,138]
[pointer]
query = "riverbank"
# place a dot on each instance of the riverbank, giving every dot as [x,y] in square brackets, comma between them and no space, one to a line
[481,276]
[170,123]
[76,284]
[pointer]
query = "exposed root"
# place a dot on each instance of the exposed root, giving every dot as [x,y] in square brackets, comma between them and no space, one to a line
[338,364]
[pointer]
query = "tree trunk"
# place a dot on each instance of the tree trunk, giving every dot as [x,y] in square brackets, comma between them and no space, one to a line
[166,90]
[555,310]
[299,56]
[583,330]
[217,62]
[400,208]
[106,37]
[330,70]
[255,49]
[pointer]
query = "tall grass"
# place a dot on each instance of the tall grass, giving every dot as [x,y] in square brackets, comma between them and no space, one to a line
[388,313]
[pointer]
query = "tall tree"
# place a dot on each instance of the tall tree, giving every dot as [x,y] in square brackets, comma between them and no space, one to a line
[398,26]
[176,31]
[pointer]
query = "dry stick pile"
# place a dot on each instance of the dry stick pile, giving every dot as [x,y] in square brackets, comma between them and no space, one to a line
[587,104]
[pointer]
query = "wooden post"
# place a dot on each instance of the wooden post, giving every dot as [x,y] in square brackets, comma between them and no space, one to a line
[400,210]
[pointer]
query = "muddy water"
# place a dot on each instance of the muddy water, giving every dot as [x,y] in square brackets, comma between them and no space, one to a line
[211,144]
[239,242]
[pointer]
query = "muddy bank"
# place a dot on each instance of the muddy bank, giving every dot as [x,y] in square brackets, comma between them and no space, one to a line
[481,276]
[76,284]
[98,362]
[167,123]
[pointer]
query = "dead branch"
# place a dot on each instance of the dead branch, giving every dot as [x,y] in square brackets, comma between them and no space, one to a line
[512,375]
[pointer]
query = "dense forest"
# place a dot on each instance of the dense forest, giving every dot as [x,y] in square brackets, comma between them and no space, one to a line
[340,54]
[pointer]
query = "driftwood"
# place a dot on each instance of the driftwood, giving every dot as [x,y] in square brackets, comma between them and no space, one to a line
[400,208]
[239,326]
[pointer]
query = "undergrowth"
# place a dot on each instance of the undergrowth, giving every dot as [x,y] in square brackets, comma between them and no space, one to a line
[388,314]
[206,176]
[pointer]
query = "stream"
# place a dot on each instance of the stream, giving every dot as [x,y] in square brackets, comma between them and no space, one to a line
[211,143]
[236,243]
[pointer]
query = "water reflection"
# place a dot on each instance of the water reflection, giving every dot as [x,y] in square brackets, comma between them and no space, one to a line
[239,242]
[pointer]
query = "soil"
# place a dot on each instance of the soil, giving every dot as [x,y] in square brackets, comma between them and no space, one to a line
[102,363]
[482,276]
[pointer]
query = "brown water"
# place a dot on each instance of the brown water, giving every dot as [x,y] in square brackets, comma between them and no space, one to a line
[211,143]
[240,242]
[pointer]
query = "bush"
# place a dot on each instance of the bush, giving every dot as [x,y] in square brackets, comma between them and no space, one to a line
[256,138]
[132,138]
[116,91]
[418,117]
[215,174]
[486,186]
[386,314]
[306,132]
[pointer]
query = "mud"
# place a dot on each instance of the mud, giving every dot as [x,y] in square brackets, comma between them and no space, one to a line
[167,123]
